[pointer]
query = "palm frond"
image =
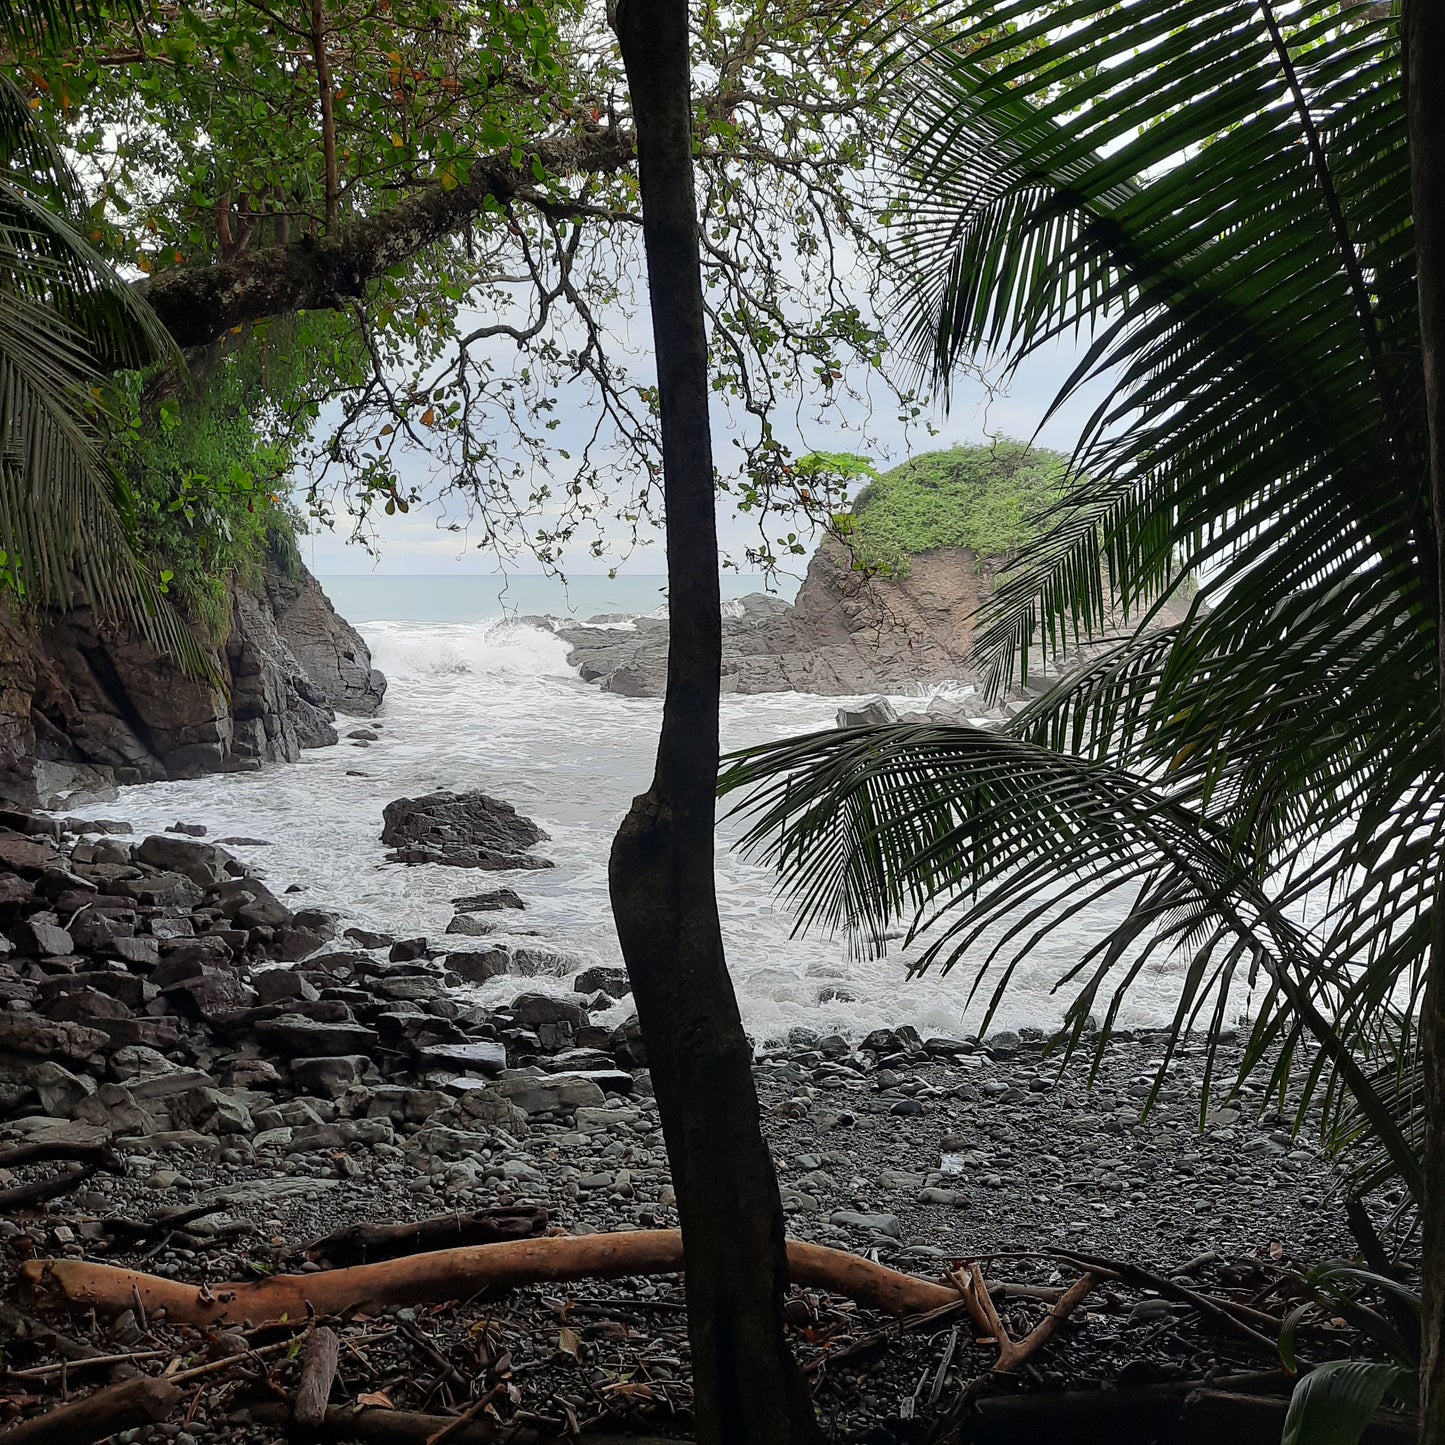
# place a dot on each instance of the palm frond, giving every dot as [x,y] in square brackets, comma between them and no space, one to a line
[1141,179]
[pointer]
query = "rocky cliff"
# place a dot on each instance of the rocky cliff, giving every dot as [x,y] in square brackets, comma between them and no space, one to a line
[844,635]
[84,708]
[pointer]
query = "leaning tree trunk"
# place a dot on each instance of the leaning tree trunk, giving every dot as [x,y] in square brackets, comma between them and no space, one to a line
[1423,33]
[748,1389]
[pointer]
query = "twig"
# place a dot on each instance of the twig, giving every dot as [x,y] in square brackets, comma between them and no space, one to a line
[1225,1313]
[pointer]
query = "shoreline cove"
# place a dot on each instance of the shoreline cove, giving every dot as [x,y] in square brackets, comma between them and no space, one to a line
[494,706]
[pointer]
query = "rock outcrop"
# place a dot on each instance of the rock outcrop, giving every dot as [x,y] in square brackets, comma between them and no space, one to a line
[330,651]
[844,635]
[84,708]
[460,830]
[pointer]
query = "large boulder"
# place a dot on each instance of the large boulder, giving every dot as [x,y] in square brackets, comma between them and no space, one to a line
[460,830]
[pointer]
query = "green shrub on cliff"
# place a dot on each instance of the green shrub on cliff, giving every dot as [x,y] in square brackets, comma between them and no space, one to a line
[206,468]
[987,498]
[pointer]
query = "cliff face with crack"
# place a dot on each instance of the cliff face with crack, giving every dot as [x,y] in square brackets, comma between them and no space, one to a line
[844,635]
[84,708]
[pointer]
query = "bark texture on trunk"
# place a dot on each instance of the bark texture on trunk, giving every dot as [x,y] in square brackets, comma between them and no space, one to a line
[749,1390]
[1423,33]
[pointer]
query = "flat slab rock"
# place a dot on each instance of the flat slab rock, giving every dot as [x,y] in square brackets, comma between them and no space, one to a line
[460,830]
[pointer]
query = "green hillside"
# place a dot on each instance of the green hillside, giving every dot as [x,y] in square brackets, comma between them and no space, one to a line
[986,498]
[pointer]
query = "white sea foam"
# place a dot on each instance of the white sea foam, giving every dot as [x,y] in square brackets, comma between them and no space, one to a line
[493,705]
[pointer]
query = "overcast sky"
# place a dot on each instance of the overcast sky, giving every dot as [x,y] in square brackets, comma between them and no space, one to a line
[419,544]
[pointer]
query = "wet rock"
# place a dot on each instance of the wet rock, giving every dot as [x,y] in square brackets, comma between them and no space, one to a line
[404,950]
[498,898]
[878,711]
[460,830]
[203,863]
[471,925]
[277,985]
[478,965]
[191,830]
[535,1010]
[611,981]
[483,1056]
[368,938]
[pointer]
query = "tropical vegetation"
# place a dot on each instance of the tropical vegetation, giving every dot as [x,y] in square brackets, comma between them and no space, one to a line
[66,318]
[988,498]
[1218,198]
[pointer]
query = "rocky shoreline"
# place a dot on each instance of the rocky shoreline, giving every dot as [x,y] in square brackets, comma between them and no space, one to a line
[203,1052]
[85,709]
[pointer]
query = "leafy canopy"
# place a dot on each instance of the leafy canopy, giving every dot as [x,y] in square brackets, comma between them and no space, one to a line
[989,499]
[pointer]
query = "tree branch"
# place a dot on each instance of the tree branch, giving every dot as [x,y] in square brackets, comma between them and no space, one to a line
[198,304]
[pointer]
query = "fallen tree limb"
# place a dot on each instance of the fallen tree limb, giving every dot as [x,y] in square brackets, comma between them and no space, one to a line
[1228,1312]
[22,1196]
[405,1427]
[43,1150]
[450,1274]
[368,1243]
[121,1407]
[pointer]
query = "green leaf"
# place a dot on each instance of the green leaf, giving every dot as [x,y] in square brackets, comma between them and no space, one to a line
[1334,1402]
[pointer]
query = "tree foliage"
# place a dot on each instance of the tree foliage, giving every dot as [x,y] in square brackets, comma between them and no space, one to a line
[1220,202]
[460,182]
[990,499]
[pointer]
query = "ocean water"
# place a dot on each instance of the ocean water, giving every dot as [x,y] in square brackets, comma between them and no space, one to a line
[489,702]
[476,598]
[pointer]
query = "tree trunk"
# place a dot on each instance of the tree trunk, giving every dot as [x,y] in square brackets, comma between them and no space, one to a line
[748,1388]
[1423,35]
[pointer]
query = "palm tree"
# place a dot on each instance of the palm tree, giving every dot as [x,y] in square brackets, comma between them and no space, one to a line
[67,320]
[1218,199]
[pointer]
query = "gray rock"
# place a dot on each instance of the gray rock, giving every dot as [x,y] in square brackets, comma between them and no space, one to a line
[35,939]
[330,1078]
[483,1056]
[202,863]
[871,714]
[535,1009]
[139,952]
[614,982]
[278,985]
[460,830]
[211,1111]
[536,1093]
[867,1223]
[59,1090]
[22,1033]
[312,1038]
[497,898]
[472,926]
[478,965]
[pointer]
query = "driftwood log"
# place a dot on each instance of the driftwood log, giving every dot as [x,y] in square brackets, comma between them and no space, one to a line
[406,1427]
[1244,1410]
[367,1243]
[449,1274]
[121,1407]
[318,1369]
